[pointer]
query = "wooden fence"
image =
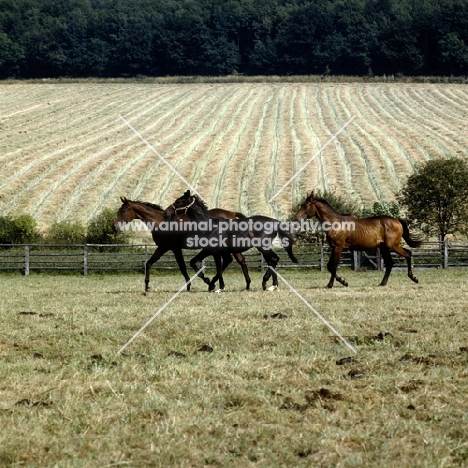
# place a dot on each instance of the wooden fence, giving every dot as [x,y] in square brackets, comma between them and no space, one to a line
[100,258]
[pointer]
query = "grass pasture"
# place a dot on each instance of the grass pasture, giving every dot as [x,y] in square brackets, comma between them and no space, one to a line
[270,393]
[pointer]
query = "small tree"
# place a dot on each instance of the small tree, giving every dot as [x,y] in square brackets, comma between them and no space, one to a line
[435,197]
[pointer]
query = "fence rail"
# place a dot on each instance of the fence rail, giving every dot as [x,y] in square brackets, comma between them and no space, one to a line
[123,257]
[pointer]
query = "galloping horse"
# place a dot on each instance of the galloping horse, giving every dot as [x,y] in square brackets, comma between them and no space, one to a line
[348,232]
[221,237]
[153,215]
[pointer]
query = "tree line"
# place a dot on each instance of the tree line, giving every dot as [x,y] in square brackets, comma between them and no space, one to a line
[118,38]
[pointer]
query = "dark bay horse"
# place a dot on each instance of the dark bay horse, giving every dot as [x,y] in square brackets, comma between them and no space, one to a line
[166,240]
[348,232]
[219,237]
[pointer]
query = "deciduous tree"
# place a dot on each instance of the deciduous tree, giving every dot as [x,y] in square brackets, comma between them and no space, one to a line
[435,197]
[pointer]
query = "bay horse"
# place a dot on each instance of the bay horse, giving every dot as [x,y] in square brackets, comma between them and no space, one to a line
[349,232]
[153,215]
[218,237]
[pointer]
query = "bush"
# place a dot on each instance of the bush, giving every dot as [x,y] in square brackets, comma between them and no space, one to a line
[6,230]
[66,232]
[100,231]
[384,208]
[19,230]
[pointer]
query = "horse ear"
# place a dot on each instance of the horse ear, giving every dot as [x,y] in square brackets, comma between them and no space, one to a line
[123,200]
[187,194]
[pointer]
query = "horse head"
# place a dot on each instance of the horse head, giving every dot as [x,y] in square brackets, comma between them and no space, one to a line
[183,204]
[125,215]
[308,209]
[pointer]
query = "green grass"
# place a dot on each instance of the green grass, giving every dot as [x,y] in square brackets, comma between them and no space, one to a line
[270,394]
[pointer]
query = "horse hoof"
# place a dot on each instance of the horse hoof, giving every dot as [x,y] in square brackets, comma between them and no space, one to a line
[264,286]
[272,288]
[219,291]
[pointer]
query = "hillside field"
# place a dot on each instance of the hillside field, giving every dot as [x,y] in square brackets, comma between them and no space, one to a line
[65,153]
[239,379]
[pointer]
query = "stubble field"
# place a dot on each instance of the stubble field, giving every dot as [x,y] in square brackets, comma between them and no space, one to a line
[234,379]
[65,153]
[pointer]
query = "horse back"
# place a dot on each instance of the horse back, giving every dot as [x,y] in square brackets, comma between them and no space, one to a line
[225,214]
[367,233]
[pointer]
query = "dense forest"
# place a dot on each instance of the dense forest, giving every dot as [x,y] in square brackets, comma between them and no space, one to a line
[118,38]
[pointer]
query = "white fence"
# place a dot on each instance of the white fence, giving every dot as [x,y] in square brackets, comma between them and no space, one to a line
[98,257]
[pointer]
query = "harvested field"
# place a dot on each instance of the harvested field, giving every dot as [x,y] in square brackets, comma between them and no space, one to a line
[65,153]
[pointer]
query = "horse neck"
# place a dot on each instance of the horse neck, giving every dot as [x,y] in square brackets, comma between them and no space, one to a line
[198,213]
[324,213]
[148,214]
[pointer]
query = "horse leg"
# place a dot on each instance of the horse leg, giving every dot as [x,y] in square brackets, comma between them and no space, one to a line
[272,260]
[182,267]
[194,264]
[387,256]
[158,253]
[241,261]
[219,273]
[407,254]
[225,260]
[332,267]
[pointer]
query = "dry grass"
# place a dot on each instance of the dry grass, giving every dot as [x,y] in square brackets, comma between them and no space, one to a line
[65,153]
[269,394]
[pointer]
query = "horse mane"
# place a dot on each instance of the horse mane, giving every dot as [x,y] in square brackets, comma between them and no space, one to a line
[199,201]
[325,202]
[149,205]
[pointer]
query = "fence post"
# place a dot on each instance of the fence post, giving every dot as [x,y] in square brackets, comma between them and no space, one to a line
[446,253]
[322,258]
[146,258]
[26,260]
[85,261]
[357,260]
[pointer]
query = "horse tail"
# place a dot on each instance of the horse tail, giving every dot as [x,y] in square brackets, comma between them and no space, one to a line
[413,240]
[288,244]
[240,215]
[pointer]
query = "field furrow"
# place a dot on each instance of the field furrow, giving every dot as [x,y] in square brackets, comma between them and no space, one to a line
[249,170]
[380,166]
[224,142]
[179,143]
[297,145]
[409,150]
[441,124]
[350,153]
[189,147]
[419,124]
[309,122]
[236,142]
